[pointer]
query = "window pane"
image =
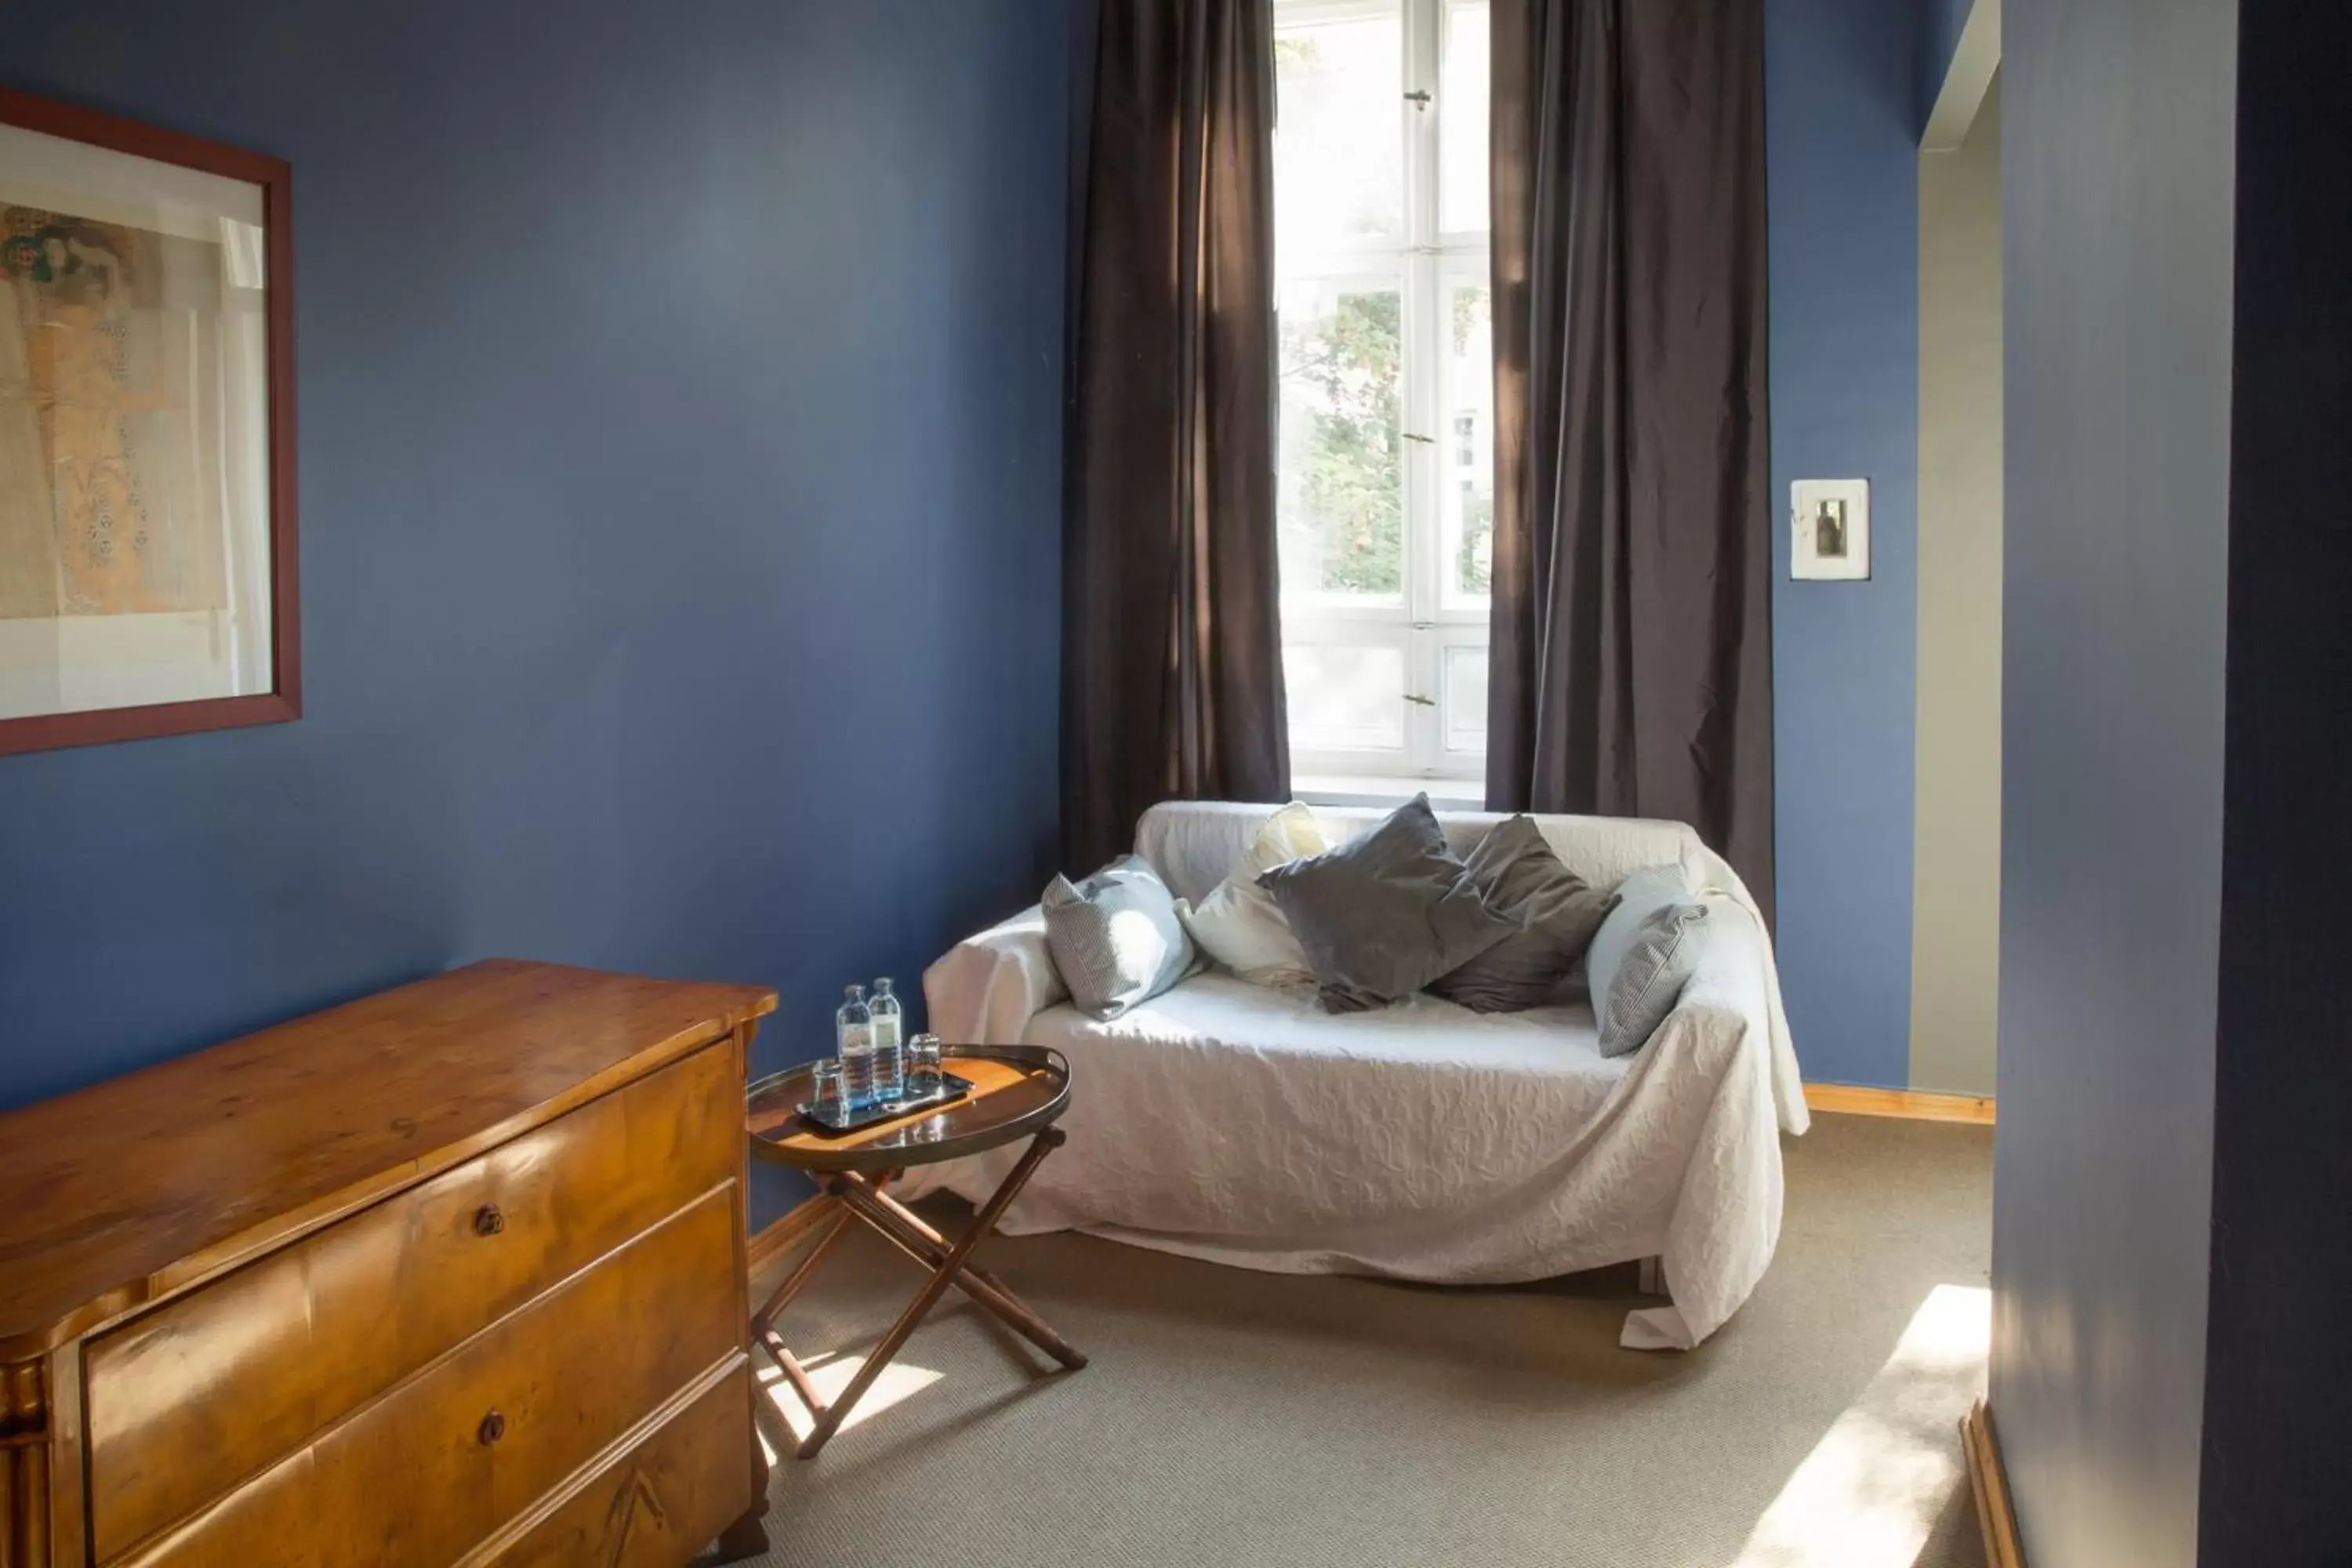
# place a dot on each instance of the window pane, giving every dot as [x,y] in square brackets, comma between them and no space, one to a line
[1345,698]
[1341,479]
[1461,197]
[1339,146]
[1465,698]
[1466,489]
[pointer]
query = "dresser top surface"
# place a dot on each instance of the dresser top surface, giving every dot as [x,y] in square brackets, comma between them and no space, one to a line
[125,1190]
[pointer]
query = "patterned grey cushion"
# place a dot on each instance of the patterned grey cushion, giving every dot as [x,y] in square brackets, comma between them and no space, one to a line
[1556,911]
[1116,937]
[1643,954]
[1383,915]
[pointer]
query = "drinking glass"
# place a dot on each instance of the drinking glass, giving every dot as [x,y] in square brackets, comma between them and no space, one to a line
[829,1090]
[923,1064]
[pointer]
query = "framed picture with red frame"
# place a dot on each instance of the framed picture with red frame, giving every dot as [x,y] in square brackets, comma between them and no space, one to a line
[147,496]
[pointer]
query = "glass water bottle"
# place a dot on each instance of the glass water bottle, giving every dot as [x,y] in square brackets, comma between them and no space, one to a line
[853,1029]
[889,1043]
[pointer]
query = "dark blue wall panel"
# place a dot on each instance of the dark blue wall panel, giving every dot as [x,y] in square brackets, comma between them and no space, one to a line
[2275,1449]
[1843,151]
[680,433]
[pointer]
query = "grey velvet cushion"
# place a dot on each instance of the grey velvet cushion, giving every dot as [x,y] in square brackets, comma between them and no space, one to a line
[1383,915]
[1555,913]
[1642,956]
[1116,937]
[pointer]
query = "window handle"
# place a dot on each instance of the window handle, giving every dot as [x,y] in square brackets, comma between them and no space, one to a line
[1423,701]
[1420,99]
[1425,440]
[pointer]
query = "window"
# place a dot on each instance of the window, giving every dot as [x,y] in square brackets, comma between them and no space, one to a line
[1387,440]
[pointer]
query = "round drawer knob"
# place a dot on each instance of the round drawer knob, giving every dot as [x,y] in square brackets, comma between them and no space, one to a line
[489,1221]
[494,1426]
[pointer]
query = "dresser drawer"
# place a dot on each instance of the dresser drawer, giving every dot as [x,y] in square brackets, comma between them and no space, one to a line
[437,1466]
[187,1401]
[660,1503]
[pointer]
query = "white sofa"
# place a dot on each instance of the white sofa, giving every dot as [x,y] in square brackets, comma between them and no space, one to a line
[1239,1123]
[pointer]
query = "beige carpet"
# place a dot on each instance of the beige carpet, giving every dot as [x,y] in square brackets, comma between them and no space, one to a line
[1233,1418]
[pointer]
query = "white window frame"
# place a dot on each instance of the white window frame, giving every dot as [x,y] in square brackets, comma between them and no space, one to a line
[1426,263]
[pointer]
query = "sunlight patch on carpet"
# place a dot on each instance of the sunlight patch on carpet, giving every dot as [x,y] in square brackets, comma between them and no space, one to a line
[1871,1490]
[898,1383]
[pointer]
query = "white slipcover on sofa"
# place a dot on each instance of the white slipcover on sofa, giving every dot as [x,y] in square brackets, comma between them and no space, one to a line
[1242,1124]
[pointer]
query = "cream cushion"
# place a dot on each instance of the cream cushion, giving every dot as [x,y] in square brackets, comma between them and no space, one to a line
[1238,924]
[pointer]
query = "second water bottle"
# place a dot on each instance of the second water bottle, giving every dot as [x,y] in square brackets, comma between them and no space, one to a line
[890,1042]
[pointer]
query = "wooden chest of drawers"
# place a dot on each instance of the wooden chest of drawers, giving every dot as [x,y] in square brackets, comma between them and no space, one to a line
[453,1274]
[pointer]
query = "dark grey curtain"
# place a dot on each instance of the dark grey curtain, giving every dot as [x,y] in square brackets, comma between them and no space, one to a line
[1172,640]
[1631,663]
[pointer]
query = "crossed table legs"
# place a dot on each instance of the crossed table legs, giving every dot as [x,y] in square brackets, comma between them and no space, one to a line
[860,1197]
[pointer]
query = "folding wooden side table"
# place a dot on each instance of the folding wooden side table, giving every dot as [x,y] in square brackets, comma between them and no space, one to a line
[1018,1091]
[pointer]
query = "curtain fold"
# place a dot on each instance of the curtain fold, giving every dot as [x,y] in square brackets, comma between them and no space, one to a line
[1632,635]
[1172,633]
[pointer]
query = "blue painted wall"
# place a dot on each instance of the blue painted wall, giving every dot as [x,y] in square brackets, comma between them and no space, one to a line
[679,404]
[2120,193]
[680,412]
[1844,166]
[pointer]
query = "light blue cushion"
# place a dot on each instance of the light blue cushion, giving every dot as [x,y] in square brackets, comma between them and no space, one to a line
[1116,937]
[1641,955]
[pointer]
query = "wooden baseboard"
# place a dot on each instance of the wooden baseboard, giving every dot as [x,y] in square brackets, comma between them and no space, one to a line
[1852,1100]
[1989,1482]
[777,1239]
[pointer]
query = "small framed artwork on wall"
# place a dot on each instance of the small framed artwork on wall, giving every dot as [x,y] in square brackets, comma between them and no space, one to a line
[1829,524]
[147,515]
